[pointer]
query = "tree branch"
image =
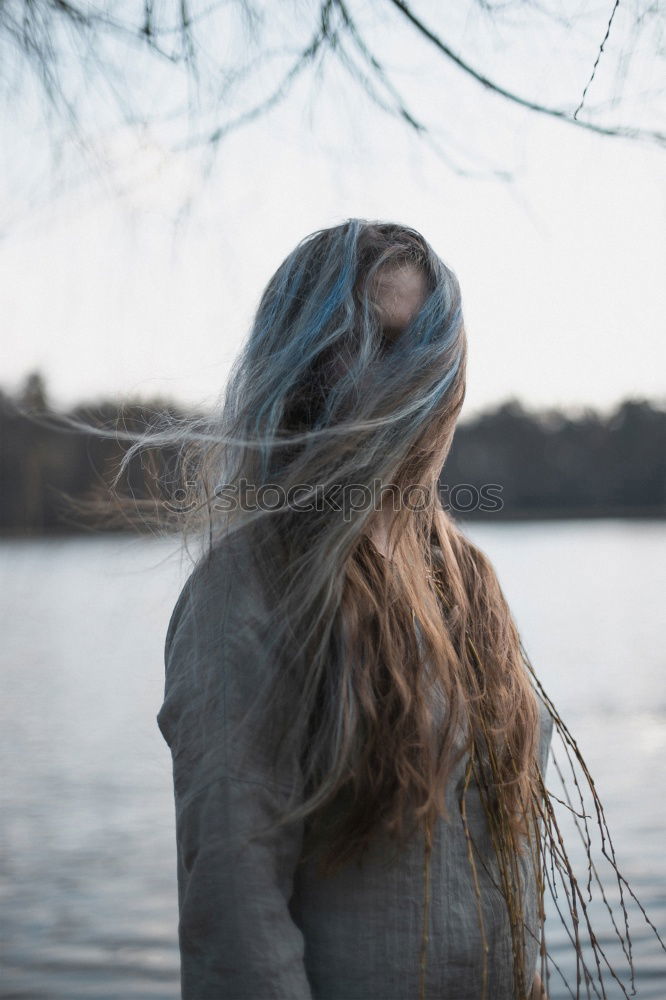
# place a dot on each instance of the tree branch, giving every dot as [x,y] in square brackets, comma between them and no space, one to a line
[596,61]
[618,130]
[399,107]
[308,54]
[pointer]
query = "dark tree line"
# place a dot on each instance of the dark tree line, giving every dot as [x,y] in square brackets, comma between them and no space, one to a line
[53,478]
[551,464]
[506,463]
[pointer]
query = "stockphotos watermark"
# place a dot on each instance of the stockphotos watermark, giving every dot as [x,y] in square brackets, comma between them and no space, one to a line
[347,499]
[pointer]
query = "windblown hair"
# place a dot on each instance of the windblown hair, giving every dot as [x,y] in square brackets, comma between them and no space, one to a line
[370,412]
[328,399]
[330,408]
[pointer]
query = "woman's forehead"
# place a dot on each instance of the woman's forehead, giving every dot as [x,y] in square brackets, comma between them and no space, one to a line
[399,293]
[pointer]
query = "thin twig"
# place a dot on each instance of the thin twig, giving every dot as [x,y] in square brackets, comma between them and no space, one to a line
[596,61]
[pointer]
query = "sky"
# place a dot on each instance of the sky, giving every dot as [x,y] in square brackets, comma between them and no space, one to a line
[561,266]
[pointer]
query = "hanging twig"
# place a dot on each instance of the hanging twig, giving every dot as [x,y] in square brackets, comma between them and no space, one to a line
[596,61]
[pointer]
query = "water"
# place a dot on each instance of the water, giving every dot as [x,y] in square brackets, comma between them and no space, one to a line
[87,851]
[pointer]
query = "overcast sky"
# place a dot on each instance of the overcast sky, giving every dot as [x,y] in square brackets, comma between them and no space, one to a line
[561,268]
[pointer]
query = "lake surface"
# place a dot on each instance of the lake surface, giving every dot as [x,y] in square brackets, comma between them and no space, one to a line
[87,844]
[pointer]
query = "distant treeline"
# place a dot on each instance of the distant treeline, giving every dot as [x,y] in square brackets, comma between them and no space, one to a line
[506,463]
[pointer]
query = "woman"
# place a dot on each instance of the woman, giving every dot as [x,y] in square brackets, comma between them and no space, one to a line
[358,744]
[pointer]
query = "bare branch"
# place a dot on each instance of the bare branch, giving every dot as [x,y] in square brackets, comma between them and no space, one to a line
[399,107]
[307,56]
[87,56]
[378,69]
[596,61]
[618,130]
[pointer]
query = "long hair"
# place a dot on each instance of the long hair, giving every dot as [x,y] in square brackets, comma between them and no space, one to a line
[369,411]
[329,398]
[331,411]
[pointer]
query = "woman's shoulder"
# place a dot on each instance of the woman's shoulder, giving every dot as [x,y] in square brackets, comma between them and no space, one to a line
[220,665]
[222,582]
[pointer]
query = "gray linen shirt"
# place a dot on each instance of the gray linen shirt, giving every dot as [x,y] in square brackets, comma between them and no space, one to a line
[255,924]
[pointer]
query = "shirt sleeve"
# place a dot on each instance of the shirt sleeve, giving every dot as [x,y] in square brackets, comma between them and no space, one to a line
[237,937]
